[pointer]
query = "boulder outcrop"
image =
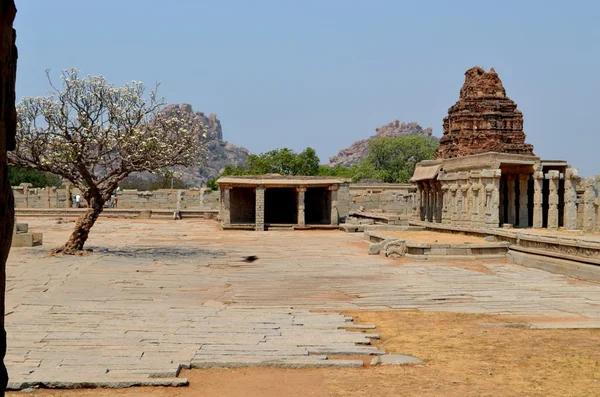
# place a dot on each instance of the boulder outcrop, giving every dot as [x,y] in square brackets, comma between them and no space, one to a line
[220,152]
[360,149]
[483,119]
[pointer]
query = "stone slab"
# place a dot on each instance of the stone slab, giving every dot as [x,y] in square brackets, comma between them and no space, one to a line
[395,359]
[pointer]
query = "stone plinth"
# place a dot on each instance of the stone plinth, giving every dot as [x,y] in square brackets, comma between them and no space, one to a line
[23,238]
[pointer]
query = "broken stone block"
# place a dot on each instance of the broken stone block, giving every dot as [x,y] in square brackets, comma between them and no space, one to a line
[395,359]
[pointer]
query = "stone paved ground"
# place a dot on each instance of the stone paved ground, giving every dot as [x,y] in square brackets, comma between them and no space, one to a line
[158,295]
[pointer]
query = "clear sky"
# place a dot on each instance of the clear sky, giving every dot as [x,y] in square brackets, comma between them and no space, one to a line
[327,73]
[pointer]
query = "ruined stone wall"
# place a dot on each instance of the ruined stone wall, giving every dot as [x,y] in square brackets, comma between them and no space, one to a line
[588,204]
[377,197]
[49,197]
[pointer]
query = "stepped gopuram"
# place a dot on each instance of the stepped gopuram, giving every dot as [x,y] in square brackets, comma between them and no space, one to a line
[483,120]
[486,176]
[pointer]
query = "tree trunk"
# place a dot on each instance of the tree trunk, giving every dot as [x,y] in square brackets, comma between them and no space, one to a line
[83,226]
[8,124]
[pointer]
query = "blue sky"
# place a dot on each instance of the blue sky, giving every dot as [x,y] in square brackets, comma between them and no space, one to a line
[327,73]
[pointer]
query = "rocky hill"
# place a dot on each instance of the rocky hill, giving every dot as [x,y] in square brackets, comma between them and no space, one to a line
[221,152]
[360,149]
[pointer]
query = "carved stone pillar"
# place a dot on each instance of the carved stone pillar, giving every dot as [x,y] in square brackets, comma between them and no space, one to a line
[570,213]
[589,210]
[523,200]
[492,191]
[439,199]
[301,218]
[553,200]
[445,200]
[425,201]
[538,198]
[432,201]
[453,204]
[260,208]
[511,199]
[335,217]
[465,217]
[423,206]
[476,206]
[225,205]
[418,203]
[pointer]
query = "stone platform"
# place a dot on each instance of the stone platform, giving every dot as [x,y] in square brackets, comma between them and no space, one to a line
[159,295]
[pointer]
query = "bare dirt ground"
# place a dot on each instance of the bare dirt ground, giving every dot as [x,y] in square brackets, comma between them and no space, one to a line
[462,358]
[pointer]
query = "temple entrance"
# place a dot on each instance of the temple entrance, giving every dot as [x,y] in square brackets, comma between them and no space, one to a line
[281,206]
[317,206]
[243,205]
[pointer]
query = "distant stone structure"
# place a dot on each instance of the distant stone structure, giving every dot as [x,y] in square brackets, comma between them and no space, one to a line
[483,120]
[486,176]
[271,202]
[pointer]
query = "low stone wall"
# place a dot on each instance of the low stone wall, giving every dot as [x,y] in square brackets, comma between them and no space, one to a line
[50,197]
[577,256]
[396,198]
[391,246]
[380,197]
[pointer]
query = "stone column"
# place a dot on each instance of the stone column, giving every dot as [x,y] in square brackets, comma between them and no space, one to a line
[570,212]
[553,200]
[225,205]
[26,193]
[511,199]
[492,191]
[445,200]
[538,198]
[335,217]
[439,198]
[589,210]
[453,205]
[465,216]
[598,204]
[523,200]
[47,191]
[260,208]
[425,201]
[418,215]
[301,219]
[432,201]
[68,198]
[476,206]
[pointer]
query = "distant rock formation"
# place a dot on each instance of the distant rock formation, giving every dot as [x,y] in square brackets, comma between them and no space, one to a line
[360,149]
[220,154]
[483,119]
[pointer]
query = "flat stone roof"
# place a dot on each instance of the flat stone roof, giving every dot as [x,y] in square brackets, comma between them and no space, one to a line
[281,180]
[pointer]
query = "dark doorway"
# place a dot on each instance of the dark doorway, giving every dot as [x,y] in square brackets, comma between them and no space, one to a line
[281,206]
[242,204]
[317,206]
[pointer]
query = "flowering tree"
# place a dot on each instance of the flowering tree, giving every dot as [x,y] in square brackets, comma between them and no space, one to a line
[94,135]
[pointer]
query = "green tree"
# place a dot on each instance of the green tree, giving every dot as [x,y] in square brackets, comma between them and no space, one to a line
[18,175]
[339,171]
[280,161]
[393,160]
